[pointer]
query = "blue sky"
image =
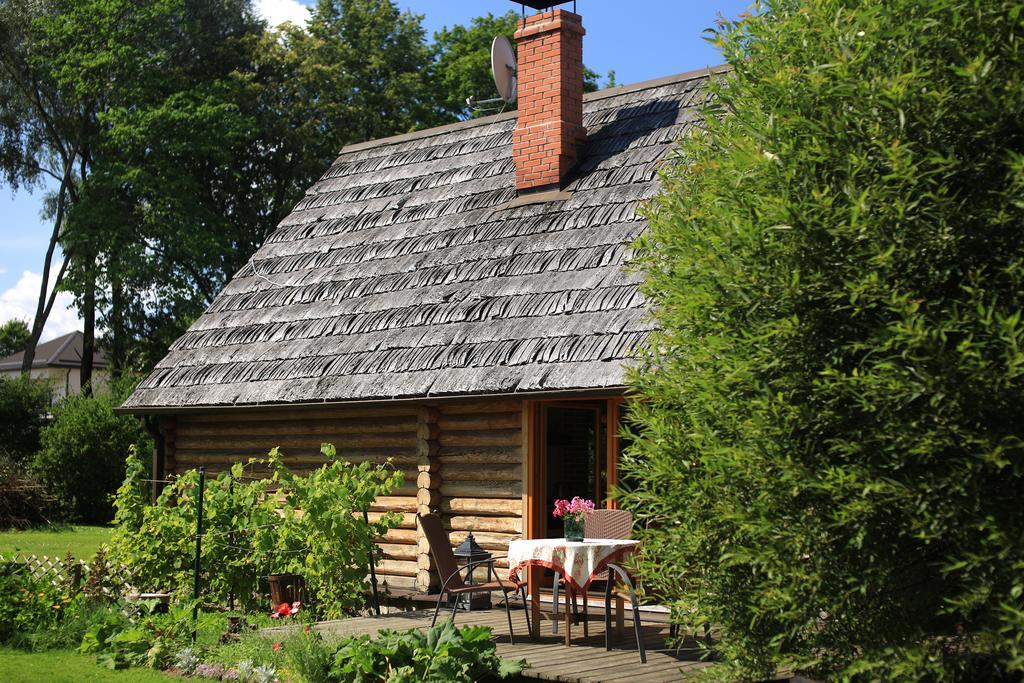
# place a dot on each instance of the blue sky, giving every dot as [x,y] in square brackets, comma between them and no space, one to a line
[639,40]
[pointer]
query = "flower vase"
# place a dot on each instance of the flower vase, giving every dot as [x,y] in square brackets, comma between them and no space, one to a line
[573,528]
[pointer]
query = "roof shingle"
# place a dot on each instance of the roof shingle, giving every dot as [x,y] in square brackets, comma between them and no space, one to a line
[405,272]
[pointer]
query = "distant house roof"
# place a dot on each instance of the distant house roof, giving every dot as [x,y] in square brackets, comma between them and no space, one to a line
[409,271]
[63,352]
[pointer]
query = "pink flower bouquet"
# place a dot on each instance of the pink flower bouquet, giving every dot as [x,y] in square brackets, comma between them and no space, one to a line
[575,509]
[573,512]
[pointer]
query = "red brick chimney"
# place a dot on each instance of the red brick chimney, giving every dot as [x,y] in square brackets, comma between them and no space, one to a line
[550,93]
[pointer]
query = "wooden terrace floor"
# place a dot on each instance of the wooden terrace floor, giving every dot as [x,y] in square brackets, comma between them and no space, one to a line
[586,661]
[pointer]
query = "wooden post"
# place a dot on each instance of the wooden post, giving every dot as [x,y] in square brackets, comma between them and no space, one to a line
[428,491]
[199,550]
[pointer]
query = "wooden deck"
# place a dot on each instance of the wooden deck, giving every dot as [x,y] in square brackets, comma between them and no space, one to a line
[585,661]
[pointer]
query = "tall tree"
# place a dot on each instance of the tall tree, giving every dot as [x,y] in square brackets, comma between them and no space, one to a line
[829,463]
[46,129]
[13,335]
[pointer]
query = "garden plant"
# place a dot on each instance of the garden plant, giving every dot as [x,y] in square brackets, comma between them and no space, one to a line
[260,518]
[827,455]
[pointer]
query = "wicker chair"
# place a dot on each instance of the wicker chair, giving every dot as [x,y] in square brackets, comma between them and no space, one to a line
[600,523]
[453,584]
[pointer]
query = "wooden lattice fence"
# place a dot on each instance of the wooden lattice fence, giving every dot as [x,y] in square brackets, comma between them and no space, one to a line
[109,579]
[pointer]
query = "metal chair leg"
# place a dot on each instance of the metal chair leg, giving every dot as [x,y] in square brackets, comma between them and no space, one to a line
[608,611]
[554,603]
[636,627]
[508,615]
[636,608]
[455,606]
[526,610]
[437,609]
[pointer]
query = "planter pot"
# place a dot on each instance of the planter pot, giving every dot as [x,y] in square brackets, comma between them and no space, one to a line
[287,588]
[573,528]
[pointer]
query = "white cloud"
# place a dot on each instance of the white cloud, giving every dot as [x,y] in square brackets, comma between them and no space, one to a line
[277,12]
[20,302]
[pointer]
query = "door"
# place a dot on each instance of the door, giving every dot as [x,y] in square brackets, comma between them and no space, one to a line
[572,444]
[573,450]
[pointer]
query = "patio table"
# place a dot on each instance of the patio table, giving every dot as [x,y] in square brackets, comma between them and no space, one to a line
[579,562]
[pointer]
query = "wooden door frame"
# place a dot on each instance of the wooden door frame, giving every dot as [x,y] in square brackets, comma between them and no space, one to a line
[534,470]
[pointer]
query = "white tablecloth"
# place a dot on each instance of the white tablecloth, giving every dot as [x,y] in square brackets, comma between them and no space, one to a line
[580,562]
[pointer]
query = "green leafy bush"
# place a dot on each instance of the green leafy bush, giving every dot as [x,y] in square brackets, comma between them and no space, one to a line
[440,654]
[828,461]
[83,452]
[254,527]
[24,403]
[37,615]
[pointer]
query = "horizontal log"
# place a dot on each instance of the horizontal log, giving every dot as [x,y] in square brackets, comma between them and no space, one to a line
[397,567]
[482,489]
[478,473]
[329,413]
[473,523]
[360,455]
[483,506]
[397,582]
[284,442]
[487,539]
[408,521]
[307,463]
[346,427]
[394,504]
[482,437]
[481,455]
[480,406]
[472,421]
[399,551]
[408,535]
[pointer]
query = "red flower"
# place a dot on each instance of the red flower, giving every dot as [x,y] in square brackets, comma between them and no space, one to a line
[284,609]
[277,647]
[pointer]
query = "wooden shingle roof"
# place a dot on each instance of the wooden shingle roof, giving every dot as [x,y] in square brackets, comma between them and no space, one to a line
[408,271]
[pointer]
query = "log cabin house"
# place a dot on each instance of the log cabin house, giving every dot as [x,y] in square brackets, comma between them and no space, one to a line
[455,299]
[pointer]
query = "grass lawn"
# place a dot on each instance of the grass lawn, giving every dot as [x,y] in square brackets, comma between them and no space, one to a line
[58,666]
[55,541]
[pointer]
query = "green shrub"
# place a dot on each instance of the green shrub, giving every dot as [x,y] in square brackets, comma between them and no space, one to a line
[310,656]
[37,615]
[24,403]
[83,452]
[829,462]
[311,525]
[442,653]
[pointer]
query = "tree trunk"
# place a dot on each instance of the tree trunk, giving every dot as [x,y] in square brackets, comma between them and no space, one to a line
[118,336]
[89,326]
[45,303]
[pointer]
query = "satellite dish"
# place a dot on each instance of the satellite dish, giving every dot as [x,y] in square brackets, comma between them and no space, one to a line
[503,66]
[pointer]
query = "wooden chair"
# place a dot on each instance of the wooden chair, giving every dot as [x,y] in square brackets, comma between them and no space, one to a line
[600,523]
[453,585]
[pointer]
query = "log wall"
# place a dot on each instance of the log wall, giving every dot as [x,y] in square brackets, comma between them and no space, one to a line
[464,460]
[217,440]
[482,484]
